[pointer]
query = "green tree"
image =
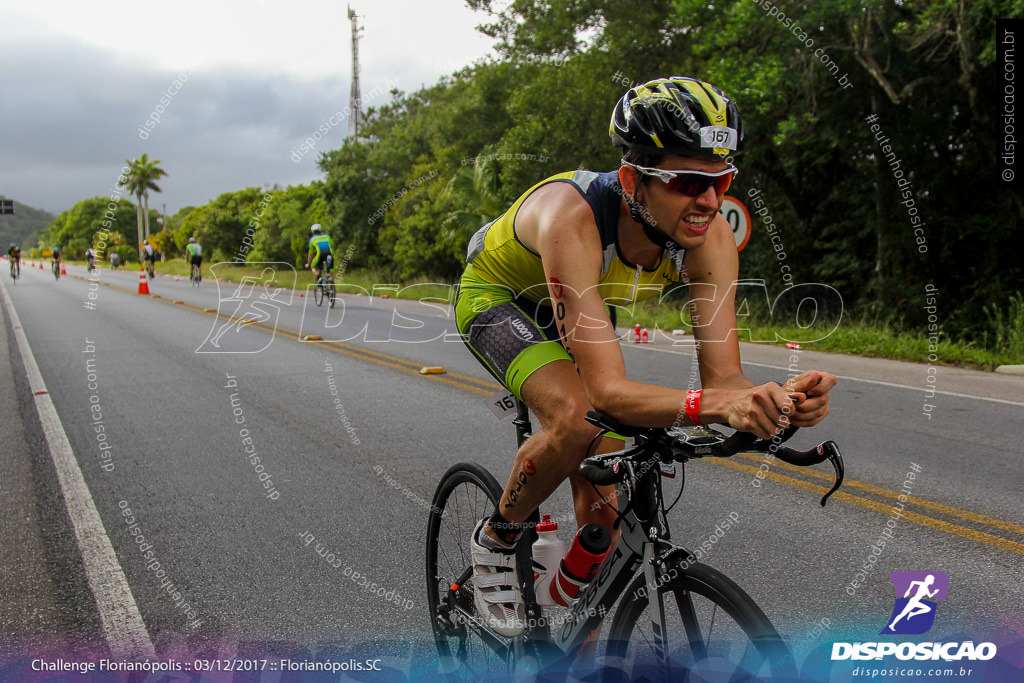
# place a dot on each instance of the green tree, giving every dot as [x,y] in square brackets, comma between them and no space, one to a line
[86,222]
[220,225]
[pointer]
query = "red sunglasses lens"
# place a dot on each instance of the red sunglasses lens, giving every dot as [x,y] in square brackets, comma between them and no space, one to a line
[691,184]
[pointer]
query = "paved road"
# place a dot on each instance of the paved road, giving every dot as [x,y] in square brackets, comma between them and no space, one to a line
[351,439]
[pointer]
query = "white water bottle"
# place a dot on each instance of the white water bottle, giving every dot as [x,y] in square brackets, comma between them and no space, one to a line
[548,551]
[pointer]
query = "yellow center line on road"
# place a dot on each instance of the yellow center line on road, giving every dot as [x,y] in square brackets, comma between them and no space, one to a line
[888,493]
[487,388]
[978,536]
[473,384]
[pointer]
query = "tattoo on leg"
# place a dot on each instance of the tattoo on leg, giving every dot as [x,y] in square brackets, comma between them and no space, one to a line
[527,470]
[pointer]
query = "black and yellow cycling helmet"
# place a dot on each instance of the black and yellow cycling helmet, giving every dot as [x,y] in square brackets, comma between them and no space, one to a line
[677,115]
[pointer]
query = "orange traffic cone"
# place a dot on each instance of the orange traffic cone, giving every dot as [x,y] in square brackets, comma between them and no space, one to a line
[143,284]
[63,270]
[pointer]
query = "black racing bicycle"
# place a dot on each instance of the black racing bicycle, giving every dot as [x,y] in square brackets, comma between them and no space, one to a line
[15,269]
[323,288]
[195,275]
[675,613]
[55,267]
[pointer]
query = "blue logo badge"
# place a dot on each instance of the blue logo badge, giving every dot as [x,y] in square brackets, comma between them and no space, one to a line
[917,594]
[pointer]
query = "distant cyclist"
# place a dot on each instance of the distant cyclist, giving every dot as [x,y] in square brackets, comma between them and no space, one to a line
[195,256]
[148,256]
[320,251]
[55,257]
[90,257]
[14,254]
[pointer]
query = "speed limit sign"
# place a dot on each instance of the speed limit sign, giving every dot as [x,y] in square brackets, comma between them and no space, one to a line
[739,219]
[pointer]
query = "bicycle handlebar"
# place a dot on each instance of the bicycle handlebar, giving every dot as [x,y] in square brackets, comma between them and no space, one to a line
[679,444]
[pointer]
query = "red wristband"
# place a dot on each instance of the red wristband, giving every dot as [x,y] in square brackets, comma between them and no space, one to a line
[692,406]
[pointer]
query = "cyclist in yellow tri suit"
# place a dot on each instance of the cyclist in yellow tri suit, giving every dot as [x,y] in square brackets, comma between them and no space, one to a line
[533,306]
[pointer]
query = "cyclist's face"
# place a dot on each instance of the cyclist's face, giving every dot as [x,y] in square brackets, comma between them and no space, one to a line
[683,217]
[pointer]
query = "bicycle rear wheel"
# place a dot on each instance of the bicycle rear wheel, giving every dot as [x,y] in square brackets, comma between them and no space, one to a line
[466,494]
[318,292]
[712,627]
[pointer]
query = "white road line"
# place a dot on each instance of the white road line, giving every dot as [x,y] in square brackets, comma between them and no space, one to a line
[125,631]
[846,377]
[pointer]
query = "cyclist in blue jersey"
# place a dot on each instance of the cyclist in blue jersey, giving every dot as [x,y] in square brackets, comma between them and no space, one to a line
[319,251]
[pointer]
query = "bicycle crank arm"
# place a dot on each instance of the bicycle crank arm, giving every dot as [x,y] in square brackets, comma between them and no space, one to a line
[460,615]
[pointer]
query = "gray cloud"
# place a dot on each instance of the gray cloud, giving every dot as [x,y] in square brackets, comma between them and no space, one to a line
[70,114]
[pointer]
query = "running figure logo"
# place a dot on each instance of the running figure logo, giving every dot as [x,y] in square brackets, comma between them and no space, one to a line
[253,300]
[916,596]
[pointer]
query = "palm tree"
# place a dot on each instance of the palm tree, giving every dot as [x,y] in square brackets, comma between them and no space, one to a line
[476,189]
[142,176]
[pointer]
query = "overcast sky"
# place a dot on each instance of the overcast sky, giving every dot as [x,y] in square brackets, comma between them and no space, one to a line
[79,79]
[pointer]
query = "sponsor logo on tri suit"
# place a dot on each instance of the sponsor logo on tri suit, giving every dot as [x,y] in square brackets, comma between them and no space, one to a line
[522,328]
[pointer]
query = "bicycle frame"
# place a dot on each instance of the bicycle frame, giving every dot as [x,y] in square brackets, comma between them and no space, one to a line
[643,528]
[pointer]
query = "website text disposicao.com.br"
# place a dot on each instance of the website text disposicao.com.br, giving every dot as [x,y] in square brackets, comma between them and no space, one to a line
[953,655]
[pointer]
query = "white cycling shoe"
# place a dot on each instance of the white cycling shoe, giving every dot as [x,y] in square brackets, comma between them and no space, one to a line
[495,588]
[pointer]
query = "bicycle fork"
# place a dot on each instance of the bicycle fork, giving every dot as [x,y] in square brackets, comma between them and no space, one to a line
[654,573]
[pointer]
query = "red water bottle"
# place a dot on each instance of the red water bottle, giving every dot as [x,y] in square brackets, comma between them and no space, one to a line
[636,334]
[581,563]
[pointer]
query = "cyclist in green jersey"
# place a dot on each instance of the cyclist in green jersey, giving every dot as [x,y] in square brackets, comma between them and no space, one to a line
[320,252]
[194,253]
[533,306]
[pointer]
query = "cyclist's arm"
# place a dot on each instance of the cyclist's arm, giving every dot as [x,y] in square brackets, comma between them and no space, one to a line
[567,239]
[714,270]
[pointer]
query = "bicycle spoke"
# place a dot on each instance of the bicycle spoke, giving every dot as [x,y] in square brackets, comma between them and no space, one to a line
[709,621]
[463,499]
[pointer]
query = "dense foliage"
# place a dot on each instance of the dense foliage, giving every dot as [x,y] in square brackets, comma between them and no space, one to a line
[98,222]
[877,212]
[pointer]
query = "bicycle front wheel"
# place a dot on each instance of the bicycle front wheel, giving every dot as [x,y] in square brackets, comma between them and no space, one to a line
[466,494]
[330,291]
[711,626]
